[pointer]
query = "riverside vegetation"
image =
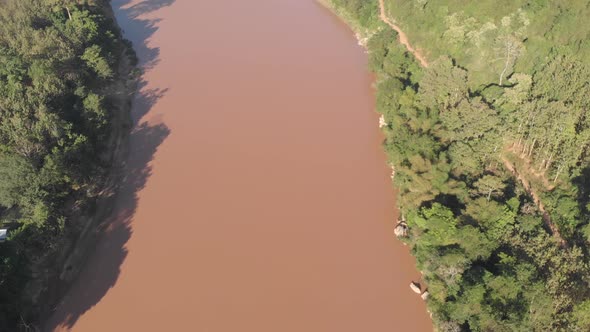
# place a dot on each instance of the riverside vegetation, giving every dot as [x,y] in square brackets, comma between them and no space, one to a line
[60,114]
[490,146]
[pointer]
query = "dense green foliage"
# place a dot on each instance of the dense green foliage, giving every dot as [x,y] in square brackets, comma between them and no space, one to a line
[484,36]
[58,61]
[490,148]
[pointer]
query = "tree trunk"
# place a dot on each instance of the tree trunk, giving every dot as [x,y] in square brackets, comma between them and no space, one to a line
[505,69]
[557,174]
[532,147]
[549,161]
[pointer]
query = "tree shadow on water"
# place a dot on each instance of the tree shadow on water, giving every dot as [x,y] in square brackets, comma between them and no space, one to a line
[103,266]
[139,29]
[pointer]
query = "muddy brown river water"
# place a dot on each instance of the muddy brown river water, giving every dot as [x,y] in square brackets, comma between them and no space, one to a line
[256,195]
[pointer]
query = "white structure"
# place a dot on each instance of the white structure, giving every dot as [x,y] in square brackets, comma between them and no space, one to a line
[401,230]
[382,122]
[3,234]
[415,287]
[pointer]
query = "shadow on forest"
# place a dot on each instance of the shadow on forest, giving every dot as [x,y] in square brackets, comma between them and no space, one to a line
[102,268]
[582,182]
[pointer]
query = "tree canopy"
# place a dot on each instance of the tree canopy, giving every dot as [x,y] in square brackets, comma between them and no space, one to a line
[490,150]
[58,60]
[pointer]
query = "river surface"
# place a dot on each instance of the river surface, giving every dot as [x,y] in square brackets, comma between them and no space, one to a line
[256,195]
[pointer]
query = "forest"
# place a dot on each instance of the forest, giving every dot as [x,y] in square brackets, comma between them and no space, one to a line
[60,63]
[490,147]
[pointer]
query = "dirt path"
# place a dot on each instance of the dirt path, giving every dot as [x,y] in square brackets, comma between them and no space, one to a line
[402,36]
[546,218]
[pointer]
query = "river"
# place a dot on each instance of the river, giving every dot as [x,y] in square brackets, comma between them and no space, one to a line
[256,195]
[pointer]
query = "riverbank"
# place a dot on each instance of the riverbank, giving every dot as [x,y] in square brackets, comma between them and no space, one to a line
[364,32]
[53,271]
[493,255]
[74,254]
